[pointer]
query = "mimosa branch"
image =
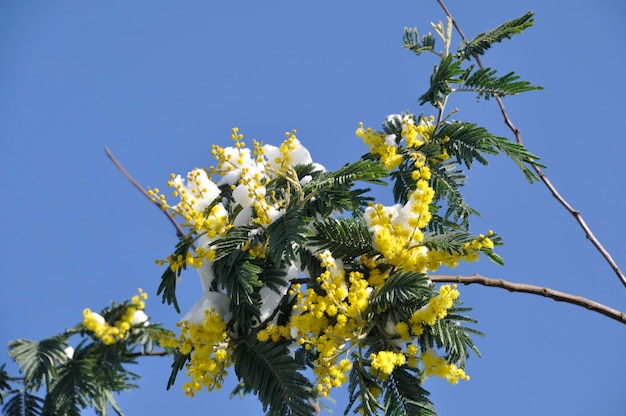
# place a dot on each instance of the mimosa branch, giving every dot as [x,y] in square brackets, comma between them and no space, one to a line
[118,165]
[518,137]
[534,290]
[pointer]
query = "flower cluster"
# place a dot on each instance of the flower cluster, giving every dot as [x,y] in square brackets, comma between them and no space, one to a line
[387,146]
[328,322]
[397,230]
[438,366]
[110,333]
[205,339]
[237,196]
[213,201]
[331,318]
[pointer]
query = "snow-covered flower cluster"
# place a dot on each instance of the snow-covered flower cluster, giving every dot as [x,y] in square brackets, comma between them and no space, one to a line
[331,314]
[112,332]
[212,202]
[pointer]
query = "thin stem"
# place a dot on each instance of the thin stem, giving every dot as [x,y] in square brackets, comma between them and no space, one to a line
[148,354]
[314,405]
[179,231]
[534,290]
[518,137]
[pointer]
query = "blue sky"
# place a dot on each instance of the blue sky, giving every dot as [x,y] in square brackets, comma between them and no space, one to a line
[158,82]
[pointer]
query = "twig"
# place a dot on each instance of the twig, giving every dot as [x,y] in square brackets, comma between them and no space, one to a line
[518,137]
[315,406]
[534,290]
[148,354]
[179,231]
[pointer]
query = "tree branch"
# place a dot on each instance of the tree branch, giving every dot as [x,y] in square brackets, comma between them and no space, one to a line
[148,354]
[534,290]
[118,165]
[518,137]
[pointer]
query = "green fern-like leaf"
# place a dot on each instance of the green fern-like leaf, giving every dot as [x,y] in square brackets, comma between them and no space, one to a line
[167,287]
[144,337]
[403,184]
[411,41]
[272,276]
[519,154]
[362,170]
[446,180]
[285,234]
[493,257]
[239,274]
[38,361]
[404,395]
[310,263]
[274,376]
[234,240]
[345,238]
[337,199]
[240,278]
[467,142]
[484,41]
[452,336]
[450,242]
[486,84]
[5,387]
[109,368]
[400,288]
[334,191]
[177,365]
[363,389]
[445,74]
[22,403]
[72,390]
[89,379]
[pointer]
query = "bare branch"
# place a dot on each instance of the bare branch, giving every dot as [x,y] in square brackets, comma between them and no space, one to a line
[518,137]
[179,231]
[534,290]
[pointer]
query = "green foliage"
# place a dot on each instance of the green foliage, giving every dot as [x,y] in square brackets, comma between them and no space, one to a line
[363,388]
[88,377]
[267,369]
[468,142]
[333,191]
[485,82]
[22,403]
[452,336]
[88,380]
[447,73]
[484,41]
[450,242]
[313,202]
[447,181]
[346,238]
[411,41]
[286,233]
[404,395]
[167,288]
[358,284]
[37,360]
[400,289]
[177,365]
[4,382]
[240,279]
